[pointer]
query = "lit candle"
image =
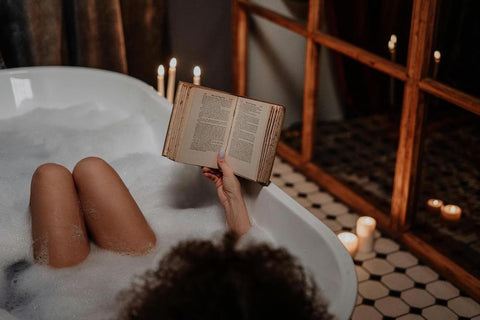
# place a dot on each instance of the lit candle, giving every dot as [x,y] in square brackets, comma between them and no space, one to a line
[391,47]
[171,79]
[436,57]
[365,232]
[349,241]
[161,80]
[434,205]
[451,212]
[196,75]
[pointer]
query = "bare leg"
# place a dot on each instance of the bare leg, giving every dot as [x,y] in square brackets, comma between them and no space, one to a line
[112,216]
[58,230]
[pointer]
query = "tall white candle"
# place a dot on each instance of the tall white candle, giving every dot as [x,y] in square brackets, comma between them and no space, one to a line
[196,75]
[365,232]
[171,79]
[436,57]
[161,80]
[349,241]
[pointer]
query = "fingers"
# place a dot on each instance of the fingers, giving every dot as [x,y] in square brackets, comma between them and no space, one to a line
[223,165]
[212,172]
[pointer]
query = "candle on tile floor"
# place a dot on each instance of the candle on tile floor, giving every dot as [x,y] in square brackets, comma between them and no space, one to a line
[349,241]
[196,75]
[161,80]
[451,212]
[434,205]
[365,232]
[171,79]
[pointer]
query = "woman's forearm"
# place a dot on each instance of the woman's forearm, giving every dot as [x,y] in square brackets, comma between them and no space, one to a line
[237,216]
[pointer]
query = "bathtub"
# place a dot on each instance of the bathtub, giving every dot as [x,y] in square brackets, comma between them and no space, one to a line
[24,89]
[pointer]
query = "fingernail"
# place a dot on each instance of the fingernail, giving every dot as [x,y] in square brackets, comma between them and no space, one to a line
[222,154]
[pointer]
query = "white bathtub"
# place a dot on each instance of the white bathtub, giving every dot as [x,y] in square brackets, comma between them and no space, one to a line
[24,89]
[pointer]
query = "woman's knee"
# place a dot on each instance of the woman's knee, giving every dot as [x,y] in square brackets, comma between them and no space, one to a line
[50,172]
[89,167]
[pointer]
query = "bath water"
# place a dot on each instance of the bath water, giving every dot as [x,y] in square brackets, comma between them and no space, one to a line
[177,202]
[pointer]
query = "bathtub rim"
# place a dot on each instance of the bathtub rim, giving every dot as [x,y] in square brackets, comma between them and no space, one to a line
[347,297]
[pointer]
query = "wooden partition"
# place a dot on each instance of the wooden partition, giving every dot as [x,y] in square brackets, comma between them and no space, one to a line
[416,86]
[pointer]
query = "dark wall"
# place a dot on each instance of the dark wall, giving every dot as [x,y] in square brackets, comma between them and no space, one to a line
[199,33]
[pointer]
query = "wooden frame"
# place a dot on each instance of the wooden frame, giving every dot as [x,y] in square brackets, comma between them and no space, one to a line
[417,85]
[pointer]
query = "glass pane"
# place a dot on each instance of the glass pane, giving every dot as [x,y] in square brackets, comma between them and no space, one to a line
[457,32]
[357,128]
[450,172]
[369,24]
[276,63]
[293,9]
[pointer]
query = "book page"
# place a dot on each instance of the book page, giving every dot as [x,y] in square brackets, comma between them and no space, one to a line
[207,127]
[246,139]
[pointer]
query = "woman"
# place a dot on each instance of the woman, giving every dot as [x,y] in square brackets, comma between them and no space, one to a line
[196,279]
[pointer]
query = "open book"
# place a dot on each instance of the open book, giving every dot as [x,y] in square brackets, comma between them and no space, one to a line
[204,121]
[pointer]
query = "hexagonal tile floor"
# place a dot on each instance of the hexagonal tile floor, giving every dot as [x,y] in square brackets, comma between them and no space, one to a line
[392,282]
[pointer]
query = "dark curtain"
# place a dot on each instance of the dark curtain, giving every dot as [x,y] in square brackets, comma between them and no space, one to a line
[367,24]
[126,36]
[457,37]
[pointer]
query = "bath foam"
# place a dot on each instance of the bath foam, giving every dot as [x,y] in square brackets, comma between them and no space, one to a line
[176,202]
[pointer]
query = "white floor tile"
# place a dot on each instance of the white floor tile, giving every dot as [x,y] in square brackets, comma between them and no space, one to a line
[378,266]
[438,312]
[464,306]
[392,306]
[397,281]
[335,208]
[372,289]
[422,274]
[363,312]
[385,246]
[418,298]
[402,259]
[442,290]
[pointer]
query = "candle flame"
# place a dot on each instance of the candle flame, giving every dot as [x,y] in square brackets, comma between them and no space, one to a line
[173,63]
[347,237]
[393,38]
[196,71]
[161,70]
[437,55]
[436,202]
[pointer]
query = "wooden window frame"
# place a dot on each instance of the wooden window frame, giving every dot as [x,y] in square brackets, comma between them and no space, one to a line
[416,86]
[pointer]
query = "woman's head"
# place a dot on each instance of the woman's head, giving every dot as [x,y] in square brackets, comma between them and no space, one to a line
[201,280]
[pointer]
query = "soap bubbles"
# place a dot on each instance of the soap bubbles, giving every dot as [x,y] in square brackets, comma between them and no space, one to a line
[176,200]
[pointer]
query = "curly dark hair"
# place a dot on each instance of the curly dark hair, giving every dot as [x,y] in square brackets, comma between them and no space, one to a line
[200,280]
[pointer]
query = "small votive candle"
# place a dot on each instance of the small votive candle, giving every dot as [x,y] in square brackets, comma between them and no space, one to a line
[161,80]
[349,241]
[196,75]
[365,232]
[434,205]
[451,212]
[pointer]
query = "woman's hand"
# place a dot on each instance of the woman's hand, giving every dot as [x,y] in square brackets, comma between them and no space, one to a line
[229,192]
